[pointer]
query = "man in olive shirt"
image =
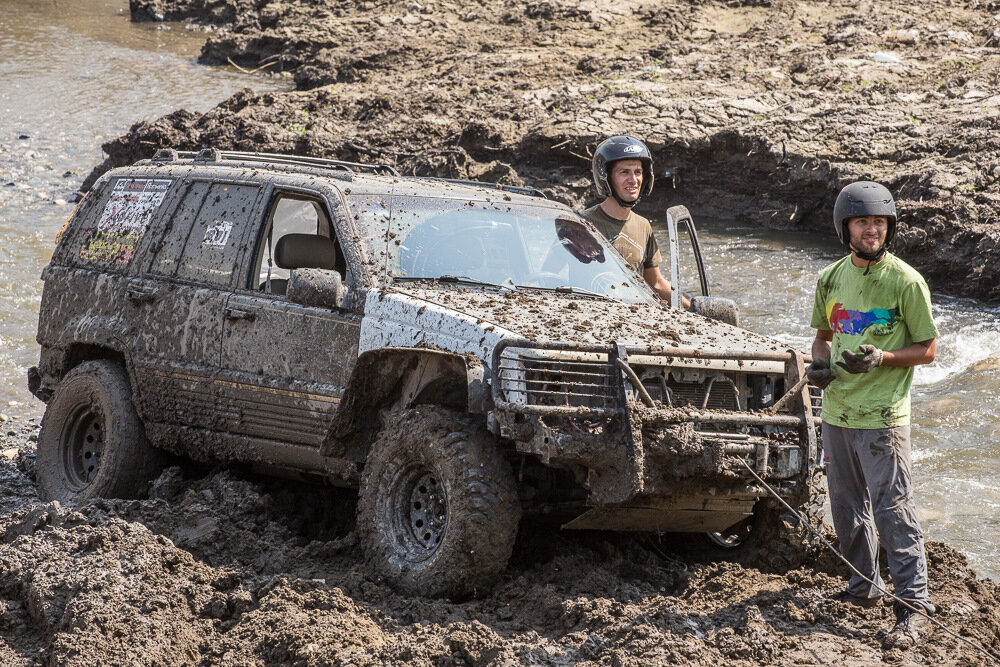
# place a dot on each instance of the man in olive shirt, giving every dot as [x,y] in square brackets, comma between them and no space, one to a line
[623,174]
[872,316]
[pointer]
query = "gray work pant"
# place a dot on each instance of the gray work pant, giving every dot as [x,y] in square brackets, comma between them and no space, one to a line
[868,473]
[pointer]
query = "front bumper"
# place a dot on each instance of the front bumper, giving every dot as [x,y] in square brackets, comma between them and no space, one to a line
[584,407]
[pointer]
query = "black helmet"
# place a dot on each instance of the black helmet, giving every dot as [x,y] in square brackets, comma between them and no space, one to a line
[860,199]
[621,148]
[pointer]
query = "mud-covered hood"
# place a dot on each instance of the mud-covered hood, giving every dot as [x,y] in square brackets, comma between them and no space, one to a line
[474,320]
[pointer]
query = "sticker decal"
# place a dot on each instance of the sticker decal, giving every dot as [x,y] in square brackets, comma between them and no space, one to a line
[124,220]
[217,235]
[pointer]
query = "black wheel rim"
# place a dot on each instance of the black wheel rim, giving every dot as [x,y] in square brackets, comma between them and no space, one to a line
[82,447]
[419,512]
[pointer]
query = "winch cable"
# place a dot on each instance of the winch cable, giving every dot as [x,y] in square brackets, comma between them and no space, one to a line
[837,553]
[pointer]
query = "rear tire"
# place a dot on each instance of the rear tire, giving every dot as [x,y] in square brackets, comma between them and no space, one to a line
[92,442]
[438,508]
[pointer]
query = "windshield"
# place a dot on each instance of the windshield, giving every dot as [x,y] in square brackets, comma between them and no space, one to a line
[498,243]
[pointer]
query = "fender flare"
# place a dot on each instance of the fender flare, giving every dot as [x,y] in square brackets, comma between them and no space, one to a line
[399,377]
[105,333]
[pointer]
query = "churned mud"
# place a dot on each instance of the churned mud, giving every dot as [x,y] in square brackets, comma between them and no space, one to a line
[218,567]
[759,110]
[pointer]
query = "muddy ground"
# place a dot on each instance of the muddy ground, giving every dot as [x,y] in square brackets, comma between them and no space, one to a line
[758,109]
[221,567]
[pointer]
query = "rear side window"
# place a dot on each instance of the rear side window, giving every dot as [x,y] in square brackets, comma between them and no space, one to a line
[202,243]
[111,234]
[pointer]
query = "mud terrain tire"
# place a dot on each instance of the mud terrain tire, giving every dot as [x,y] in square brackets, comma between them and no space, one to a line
[438,507]
[773,539]
[92,442]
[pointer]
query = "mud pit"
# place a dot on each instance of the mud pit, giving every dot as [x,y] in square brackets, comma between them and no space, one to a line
[222,568]
[226,568]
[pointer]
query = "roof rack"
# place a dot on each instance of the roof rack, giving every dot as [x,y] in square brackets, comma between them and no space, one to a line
[214,155]
[516,189]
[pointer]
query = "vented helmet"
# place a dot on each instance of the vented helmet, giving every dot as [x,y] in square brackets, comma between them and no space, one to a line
[621,148]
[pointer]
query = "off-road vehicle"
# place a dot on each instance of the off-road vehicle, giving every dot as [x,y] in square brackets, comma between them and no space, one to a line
[462,353]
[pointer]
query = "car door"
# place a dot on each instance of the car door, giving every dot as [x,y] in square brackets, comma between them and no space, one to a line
[687,269]
[285,365]
[179,298]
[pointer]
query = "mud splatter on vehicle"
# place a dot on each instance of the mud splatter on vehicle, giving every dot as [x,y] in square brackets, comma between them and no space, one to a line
[419,339]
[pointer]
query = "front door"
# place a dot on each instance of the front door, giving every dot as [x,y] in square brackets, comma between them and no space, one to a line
[285,366]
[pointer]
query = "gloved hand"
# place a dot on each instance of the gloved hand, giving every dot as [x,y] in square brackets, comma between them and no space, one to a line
[865,359]
[820,373]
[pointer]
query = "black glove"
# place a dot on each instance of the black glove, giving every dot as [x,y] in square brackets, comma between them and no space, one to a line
[820,373]
[865,359]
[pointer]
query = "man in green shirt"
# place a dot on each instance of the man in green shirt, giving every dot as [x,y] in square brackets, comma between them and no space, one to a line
[872,315]
[623,173]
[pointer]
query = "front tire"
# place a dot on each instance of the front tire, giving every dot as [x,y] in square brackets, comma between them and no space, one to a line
[92,442]
[438,508]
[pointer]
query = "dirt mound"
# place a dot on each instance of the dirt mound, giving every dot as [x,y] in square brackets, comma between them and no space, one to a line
[218,568]
[753,110]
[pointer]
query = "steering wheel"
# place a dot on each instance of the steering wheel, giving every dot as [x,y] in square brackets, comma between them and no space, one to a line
[543,279]
[605,281]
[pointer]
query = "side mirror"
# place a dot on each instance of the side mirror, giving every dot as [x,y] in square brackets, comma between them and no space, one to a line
[321,288]
[717,307]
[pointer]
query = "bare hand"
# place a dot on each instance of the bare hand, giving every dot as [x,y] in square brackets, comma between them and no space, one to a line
[865,359]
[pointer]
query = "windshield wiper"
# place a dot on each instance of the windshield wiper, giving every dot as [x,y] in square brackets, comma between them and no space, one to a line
[568,289]
[458,280]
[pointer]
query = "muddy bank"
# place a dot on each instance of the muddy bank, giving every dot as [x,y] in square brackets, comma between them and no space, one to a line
[219,568]
[758,110]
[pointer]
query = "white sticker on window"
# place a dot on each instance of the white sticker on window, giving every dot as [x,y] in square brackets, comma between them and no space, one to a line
[217,236]
[124,220]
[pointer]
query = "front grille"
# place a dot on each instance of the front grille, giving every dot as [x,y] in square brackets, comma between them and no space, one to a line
[720,392]
[573,383]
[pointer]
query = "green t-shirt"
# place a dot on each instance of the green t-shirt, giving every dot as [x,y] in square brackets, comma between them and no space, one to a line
[889,308]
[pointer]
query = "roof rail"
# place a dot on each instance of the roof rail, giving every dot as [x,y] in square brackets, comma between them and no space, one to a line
[215,155]
[516,189]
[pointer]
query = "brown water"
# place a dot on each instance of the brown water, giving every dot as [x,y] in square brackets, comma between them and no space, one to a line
[75,74]
[72,76]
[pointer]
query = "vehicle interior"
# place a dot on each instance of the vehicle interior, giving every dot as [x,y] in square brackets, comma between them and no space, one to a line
[298,234]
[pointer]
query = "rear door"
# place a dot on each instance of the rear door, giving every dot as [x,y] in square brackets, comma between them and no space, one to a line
[285,366]
[180,297]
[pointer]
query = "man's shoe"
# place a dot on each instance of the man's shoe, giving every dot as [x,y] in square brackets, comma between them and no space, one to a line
[910,628]
[867,603]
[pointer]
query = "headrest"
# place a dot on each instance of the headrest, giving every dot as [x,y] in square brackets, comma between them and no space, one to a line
[305,251]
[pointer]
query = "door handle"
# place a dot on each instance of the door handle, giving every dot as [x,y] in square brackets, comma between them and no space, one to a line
[239,314]
[138,295]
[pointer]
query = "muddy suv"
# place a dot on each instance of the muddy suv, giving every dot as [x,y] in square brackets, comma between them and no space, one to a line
[461,353]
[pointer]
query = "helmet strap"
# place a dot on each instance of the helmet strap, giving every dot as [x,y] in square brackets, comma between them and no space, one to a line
[622,202]
[871,258]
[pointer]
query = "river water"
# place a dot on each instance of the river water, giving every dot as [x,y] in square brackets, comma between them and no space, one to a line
[75,74]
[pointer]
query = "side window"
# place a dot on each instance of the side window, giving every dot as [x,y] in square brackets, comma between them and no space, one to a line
[203,241]
[290,214]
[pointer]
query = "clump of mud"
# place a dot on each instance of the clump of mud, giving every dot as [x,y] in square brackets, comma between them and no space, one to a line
[217,567]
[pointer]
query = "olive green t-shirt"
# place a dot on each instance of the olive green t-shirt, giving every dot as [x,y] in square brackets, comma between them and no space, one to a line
[633,237]
[889,308]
